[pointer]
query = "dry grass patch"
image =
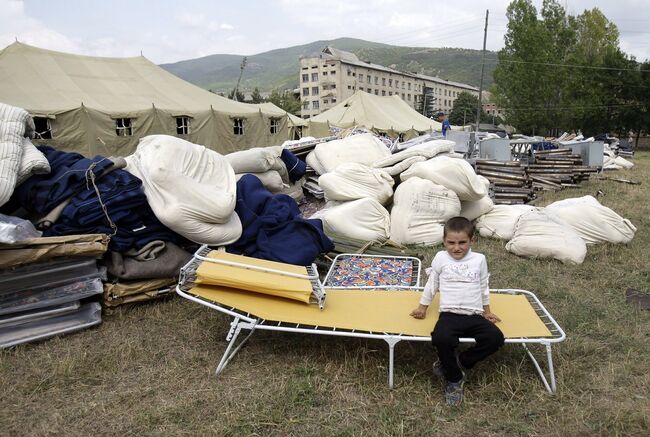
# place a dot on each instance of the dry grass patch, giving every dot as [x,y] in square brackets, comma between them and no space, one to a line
[149,369]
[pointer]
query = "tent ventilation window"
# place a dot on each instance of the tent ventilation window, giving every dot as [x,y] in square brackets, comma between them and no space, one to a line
[238,126]
[123,127]
[275,125]
[182,125]
[43,128]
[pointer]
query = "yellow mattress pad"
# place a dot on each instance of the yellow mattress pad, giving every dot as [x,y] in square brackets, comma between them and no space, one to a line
[254,281]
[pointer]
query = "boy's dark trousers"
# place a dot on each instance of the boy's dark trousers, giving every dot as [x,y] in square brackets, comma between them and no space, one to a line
[450,327]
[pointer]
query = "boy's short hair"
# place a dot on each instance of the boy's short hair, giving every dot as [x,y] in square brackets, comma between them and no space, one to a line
[459,224]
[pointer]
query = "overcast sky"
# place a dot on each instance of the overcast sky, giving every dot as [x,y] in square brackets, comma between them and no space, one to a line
[168,31]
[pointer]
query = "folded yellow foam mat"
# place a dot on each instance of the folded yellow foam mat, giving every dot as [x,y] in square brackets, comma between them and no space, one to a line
[255,281]
[378,311]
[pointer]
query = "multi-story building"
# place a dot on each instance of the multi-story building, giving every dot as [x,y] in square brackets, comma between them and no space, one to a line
[335,75]
[490,107]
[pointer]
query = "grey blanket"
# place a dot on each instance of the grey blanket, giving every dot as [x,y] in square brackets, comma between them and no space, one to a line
[158,259]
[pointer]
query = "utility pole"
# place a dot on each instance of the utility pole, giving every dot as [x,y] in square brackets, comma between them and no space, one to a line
[241,72]
[480,87]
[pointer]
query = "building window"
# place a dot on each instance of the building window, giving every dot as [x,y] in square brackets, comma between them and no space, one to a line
[403,85]
[305,78]
[408,97]
[333,100]
[376,92]
[383,92]
[275,126]
[333,86]
[314,77]
[403,96]
[390,93]
[238,126]
[376,80]
[182,125]
[368,78]
[314,91]
[43,128]
[360,88]
[305,91]
[397,84]
[315,104]
[349,87]
[304,68]
[361,78]
[325,101]
[390,82]
[349,72]
[305,105]
[383,81]
[409,86]
[446,94]
[123,127]
[324,73]
[332,72]
[354,74]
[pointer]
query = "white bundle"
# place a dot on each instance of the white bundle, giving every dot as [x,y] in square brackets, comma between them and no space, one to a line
[255,160]
[455,174]
[500,221]
[271,180]
[419,211]
[353,181]
[541,234]
[425,150]
[362,219]
[594,222]
[362,148]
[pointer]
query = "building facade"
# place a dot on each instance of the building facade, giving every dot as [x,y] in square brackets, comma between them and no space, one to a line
[335,75]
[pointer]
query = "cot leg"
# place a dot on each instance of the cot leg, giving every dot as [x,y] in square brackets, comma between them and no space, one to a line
[392,341]
[551,370]
[550,388]
[229,353]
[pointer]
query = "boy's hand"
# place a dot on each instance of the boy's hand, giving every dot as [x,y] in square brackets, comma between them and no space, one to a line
[420,312]
[491,317]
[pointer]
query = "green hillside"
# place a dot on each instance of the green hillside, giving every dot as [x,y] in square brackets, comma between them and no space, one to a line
[279,68]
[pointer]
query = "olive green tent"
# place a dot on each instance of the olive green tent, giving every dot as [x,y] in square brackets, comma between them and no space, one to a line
[95,105]
[390,115]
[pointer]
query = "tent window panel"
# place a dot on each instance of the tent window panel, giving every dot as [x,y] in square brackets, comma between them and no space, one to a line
[43,128]
[123,127]
[275,126]
[182,125]
[238,126]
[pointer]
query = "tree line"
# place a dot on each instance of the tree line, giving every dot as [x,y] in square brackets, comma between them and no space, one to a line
[559,72]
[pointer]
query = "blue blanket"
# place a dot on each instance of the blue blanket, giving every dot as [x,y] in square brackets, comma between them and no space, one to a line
[273,227]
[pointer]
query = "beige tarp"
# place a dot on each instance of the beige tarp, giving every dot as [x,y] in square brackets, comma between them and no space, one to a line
[390,115]
[83,96]
[45,248]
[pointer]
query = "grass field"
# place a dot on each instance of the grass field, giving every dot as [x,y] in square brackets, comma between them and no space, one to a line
[149,369]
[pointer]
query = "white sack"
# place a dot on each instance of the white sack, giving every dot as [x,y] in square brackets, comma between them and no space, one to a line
[313,162]
[455,174]
[362,148]
[501,220]
[191,189]
[271,180]
[419,211]
[622,162]
[472,210]
[256,160]
[403,165]
[426,150]
[362,219]
[594,222]
[32,162]
[353,181]
[541,234]
[294,190]
[485,181]
[12,129]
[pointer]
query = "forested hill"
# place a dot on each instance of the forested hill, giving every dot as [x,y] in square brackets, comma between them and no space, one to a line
[278,69]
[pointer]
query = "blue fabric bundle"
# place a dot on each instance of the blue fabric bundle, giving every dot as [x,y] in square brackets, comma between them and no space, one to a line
[273,227]
[120,192]
[295,166]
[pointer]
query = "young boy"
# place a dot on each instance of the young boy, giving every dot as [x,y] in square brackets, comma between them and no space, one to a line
[462,278]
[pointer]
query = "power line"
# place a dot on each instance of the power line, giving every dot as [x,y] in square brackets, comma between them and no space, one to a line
[552,64]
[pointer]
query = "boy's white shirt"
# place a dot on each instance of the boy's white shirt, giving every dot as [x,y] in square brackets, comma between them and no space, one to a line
[463,283]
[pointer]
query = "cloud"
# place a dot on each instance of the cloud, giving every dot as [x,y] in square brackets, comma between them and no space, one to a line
[226,26]
[15,24]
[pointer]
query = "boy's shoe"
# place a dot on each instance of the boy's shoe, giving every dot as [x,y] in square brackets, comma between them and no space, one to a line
[437,369]
[454,393]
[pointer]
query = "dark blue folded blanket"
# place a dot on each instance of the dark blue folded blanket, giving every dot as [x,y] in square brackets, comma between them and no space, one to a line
[273,227]
[295,166]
